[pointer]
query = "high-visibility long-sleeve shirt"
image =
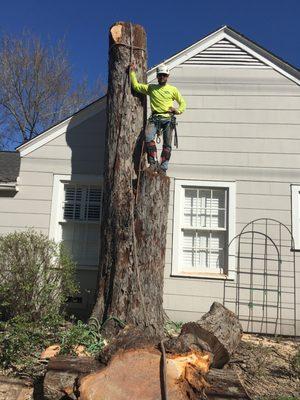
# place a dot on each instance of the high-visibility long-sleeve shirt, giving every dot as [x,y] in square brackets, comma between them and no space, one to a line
[161,96]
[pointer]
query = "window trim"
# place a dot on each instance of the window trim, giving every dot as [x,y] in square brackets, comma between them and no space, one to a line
[295,216]
[56,221]
[180,184]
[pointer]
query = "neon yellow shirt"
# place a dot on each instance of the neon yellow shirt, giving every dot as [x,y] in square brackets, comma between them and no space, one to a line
[161,96]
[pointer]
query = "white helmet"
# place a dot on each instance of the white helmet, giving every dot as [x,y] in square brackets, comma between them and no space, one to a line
[162,69]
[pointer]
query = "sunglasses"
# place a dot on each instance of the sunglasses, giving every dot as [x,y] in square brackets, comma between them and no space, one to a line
[162,75]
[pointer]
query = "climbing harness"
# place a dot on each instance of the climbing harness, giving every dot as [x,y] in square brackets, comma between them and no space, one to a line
[154,119]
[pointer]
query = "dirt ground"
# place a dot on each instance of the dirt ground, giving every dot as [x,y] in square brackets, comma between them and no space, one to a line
[269,368]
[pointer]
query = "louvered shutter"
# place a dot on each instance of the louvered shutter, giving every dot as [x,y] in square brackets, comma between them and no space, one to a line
[225,53]
[81,222]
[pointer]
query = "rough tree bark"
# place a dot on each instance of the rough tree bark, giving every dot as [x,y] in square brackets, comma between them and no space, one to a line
[220,329]
[134,215]
[225,384]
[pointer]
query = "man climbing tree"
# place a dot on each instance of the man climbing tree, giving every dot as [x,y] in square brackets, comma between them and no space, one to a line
[162,118]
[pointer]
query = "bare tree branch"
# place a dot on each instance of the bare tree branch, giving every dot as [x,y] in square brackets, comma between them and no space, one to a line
[36,88]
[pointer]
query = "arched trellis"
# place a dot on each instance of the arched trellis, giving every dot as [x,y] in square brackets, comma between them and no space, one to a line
[255,285]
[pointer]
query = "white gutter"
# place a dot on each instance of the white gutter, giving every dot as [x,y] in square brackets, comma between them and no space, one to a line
[9,186]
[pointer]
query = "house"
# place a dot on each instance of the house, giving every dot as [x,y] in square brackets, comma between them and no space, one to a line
[234,218]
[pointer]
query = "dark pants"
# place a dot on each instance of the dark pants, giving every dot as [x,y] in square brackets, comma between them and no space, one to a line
[163,124]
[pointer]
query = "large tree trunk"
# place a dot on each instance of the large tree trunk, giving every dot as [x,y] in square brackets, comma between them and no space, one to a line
[135,210]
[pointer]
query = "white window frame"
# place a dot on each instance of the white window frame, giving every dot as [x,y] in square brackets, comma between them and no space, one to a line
[295,214]
[59,181]
[180,185]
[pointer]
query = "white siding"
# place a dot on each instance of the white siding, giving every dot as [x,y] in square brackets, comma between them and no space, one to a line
[241,125]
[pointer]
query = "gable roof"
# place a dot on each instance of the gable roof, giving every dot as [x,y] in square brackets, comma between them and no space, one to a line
[9,166]
[248,53]
[263,57]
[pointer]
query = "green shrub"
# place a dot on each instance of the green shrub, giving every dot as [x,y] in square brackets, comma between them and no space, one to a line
[172,328]
[22,341]
[82,334]
[36,275]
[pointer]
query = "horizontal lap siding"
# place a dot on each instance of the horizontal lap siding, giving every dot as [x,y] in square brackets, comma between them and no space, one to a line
[244,102]
[240,125]
[242,116]
[238,130]
[78,151]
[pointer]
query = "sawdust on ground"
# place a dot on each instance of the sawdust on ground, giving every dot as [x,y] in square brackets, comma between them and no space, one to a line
[267,367]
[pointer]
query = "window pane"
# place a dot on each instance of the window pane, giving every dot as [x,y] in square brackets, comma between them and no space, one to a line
[82,241]
[218,208]
[190,207]
[203,250]
[205,208]
[218,197]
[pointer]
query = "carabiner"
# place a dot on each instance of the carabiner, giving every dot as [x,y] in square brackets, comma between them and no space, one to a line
[158,140]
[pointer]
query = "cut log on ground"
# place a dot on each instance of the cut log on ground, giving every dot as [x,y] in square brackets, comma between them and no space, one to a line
[63,373]
[137,374]
[135,208]
[224,384]
[80,365]
[15,389]
[219,329]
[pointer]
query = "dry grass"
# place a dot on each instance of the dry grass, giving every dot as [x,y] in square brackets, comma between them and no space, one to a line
[269,368]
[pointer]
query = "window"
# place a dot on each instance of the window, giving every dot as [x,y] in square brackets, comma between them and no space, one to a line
[75,219]
[203,225]
[295,193]
[82,202]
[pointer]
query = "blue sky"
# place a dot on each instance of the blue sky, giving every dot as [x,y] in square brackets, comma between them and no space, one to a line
[170,25]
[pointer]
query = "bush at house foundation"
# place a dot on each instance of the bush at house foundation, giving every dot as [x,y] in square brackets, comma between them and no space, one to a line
[36,276]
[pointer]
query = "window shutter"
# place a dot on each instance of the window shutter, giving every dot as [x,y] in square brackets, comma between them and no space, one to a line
[81,219]
[82,203]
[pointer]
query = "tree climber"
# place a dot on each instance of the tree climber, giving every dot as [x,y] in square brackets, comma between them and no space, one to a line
[161,96]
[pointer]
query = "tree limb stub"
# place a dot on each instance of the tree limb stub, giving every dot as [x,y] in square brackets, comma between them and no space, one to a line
[116,33]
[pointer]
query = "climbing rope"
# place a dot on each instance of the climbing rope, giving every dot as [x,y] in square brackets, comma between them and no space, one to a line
[164,370]
[127,45]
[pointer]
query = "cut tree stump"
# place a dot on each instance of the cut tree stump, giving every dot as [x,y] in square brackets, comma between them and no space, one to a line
[135,208]
[220,329]
[137,374]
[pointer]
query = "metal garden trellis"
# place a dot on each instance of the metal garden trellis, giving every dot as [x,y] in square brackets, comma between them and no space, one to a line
[263,290]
